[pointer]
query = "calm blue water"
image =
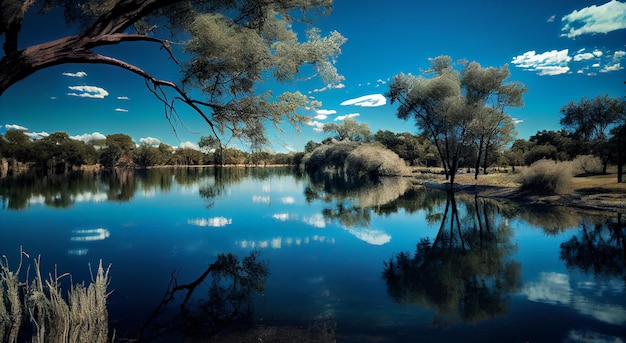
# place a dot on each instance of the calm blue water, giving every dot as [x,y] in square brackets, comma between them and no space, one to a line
[485,273]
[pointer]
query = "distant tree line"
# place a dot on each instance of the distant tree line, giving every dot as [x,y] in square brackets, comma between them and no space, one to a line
[58,153]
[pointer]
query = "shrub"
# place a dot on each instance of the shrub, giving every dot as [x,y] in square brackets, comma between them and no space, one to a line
[354,158]
[586,165]
[546,177]
[375,160]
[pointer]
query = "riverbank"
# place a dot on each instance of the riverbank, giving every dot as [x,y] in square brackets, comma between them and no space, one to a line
[586,193]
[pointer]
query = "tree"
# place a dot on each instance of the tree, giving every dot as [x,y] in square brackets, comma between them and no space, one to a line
[411,148]
[589,119]
[350,129]
[486,90]
[211,144]
[455,110]
[17,145]
[230,47]
[311,145]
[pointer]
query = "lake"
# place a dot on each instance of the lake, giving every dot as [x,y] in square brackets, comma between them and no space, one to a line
[365,262]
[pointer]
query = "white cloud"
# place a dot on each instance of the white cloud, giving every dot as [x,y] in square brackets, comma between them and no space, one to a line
[53,98]
[15,127]
[595,19]
[317,126]
[189,145]
[551,19]
[122,98]
[351,115]
[583,56]
[210,222]
[150,141]
[326,112]
[323,114]
[98,234]
[372,100]
[283,217]
[329,86]
[517,121]
[121,110]
[548,63]
[78,74]
[88,92]
[552,288]
[37,135]
[598,53]
[261,198]
[317,220]
[373,237]
[618,55]
[88,137]
[610,68]
[288,200]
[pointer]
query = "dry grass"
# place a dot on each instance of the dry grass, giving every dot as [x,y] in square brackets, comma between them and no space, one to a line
[83,317]
[546,177]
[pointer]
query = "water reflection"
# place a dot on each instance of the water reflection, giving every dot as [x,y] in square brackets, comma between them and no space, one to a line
[226,306]
[326,238]
[599,248]
[466,272]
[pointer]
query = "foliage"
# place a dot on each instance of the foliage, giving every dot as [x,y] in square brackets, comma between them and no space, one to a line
[415,149]
[456,110]
[354,158]
[374,160]
[541,152]
[546,177]
[589,119]
[350,129]
[223,49]
[567,147]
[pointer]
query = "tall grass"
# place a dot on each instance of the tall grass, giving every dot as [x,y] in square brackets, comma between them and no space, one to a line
[546,177]
[37,308]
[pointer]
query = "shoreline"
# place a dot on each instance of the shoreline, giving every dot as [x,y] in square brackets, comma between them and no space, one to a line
[600,193]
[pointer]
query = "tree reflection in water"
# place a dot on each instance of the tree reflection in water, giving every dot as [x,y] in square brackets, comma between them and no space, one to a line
[466,272]
[600,248]
[227,305]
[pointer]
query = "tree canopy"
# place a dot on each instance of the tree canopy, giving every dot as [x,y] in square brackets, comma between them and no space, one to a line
[222,48]
[459,111]
[350,129]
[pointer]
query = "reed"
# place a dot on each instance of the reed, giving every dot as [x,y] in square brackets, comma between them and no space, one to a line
[80,317]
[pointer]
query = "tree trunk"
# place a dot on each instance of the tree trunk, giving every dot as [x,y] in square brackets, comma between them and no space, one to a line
[477,167]
[620,156]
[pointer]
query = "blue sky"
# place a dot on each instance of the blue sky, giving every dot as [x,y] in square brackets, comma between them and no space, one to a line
[561,50]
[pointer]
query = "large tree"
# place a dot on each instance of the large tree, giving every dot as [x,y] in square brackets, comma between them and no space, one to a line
[222,48]
[456,110]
